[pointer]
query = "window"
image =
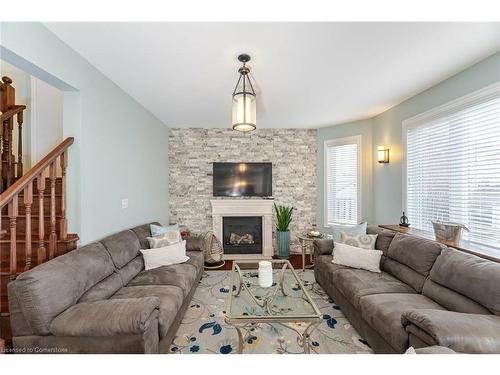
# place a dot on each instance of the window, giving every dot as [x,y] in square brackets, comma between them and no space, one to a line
[342,181]
[453,166]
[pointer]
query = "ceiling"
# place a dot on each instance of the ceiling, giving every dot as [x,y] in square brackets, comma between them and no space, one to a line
[308,75]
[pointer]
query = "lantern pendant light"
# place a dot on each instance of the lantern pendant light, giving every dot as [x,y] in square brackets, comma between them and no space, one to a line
[244,104]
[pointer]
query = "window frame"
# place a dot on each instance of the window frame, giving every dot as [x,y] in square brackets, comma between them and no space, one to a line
[356,139]
[435,114]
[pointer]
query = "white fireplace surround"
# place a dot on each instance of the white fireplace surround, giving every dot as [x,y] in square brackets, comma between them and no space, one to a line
[245,207]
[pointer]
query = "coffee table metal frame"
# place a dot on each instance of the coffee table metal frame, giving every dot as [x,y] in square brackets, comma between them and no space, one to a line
[241,321]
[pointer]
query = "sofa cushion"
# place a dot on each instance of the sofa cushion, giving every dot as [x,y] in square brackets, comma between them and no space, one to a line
[129,316]
[131,269]
[181,275]
[171,298]
[404,273]
[417,253]
[383,313]
[354,284]
[103,289]
[122,246]
[469,275]
[324,265]
[452,300]
[50,288]
[384,237]
[142,232]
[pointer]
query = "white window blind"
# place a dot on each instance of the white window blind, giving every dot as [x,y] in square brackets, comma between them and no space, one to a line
[453,168]
[342,180]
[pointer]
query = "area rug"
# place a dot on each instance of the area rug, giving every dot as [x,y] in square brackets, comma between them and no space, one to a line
[203,330]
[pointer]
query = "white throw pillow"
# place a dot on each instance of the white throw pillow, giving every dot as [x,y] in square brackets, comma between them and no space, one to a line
[165,256]
[165,239]
[364,241]
[356,257]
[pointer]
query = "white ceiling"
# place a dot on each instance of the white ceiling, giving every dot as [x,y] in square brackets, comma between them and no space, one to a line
[308,75]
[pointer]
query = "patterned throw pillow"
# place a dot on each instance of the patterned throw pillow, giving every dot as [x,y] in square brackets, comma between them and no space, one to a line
[364,241]
[165,239]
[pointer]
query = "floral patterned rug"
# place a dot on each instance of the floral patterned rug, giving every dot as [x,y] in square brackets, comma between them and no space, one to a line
[203,330]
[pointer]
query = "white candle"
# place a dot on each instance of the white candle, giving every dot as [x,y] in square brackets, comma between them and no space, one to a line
[265,274]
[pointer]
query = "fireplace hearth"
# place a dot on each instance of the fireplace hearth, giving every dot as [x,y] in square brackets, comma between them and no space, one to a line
[242,234]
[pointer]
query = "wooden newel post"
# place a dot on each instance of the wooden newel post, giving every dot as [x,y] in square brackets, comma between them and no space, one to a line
[7,94]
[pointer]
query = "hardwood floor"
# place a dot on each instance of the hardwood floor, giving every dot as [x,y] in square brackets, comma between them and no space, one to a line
[295,260]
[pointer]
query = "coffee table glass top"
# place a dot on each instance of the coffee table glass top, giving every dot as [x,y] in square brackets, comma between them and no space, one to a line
[285,300]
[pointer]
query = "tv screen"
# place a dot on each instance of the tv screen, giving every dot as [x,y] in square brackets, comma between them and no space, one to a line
[242,179]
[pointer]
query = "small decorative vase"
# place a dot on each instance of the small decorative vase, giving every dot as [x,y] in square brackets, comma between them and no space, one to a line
[265,274]
[283,241]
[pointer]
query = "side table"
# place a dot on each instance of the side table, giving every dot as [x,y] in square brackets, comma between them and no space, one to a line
[305,242]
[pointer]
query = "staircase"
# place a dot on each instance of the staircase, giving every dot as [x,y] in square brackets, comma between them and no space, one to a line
[33,224]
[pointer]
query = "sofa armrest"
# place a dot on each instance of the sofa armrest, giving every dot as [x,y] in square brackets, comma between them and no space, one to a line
[323,246]
[465,333]
[194,243]
[107,317]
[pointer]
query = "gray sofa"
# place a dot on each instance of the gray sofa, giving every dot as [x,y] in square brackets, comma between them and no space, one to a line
[99,299]
[426,295]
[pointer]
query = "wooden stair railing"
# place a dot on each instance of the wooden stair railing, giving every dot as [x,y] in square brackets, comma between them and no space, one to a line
[34,228]
[11,168]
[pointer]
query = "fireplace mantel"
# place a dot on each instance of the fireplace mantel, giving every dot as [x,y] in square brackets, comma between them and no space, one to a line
[245,207]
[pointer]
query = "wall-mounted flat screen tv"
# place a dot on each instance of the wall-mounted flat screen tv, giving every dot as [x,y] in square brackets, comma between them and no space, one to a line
[242,179]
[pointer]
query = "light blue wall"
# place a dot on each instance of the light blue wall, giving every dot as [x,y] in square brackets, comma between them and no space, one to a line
[387,130]
[382,189]
[121,149]
[363,128]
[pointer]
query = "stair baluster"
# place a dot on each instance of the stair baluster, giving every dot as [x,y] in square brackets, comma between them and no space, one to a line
[28,201]
[42,253]
[63,230]
[20,145]
[13,205]
[53,235]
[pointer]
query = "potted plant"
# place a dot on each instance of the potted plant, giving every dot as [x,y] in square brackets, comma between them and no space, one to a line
[283,220]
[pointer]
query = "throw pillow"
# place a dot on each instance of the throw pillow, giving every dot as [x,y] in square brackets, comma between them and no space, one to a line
[356,257]
[349,229]
[165,256]
[156,230]
[364,241]
[165,239]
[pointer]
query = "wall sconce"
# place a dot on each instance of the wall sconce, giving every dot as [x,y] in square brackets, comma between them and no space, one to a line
[383,154]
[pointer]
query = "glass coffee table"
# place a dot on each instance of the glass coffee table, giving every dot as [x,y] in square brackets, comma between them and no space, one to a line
[285,302]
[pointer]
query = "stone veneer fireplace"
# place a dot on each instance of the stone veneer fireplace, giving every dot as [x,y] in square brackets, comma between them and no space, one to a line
[241,217]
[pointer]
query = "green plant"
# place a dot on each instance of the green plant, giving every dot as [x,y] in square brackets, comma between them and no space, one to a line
[283,217]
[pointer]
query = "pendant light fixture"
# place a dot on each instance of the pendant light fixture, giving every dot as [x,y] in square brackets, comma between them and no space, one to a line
[244,105]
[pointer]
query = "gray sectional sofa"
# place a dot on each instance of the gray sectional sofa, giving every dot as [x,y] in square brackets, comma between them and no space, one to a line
[99,299]
[426,295]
